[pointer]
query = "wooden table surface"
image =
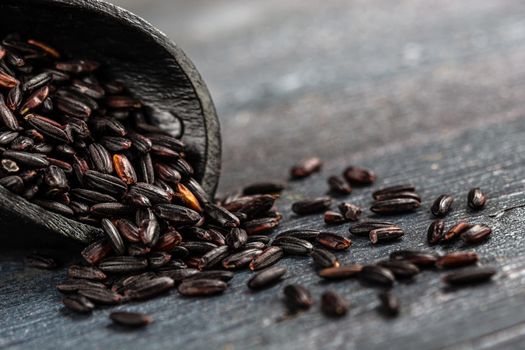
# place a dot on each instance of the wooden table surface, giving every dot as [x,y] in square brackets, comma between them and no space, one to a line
[420,91]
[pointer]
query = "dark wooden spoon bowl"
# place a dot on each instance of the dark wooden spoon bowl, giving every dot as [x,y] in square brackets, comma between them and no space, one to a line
[153,68]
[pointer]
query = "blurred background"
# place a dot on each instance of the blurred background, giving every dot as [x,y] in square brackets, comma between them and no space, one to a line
[345,79]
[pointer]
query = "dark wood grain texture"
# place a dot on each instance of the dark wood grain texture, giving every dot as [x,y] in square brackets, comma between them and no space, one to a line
[420,92]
